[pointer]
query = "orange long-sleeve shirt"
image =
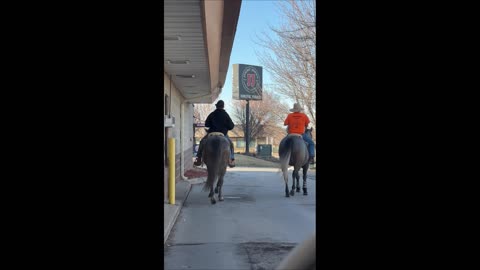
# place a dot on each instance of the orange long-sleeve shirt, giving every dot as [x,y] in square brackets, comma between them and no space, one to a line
[296,122]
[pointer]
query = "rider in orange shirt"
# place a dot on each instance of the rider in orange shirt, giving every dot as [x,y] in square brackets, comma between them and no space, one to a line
[297,122]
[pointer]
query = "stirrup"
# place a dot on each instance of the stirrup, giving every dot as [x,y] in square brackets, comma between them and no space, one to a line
[198,162]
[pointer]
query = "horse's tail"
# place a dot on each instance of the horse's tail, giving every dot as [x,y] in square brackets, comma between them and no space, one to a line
[216,160]
[285,152]
[211,176]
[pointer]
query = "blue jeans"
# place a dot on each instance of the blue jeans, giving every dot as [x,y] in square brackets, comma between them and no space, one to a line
[311,144]
[232,156]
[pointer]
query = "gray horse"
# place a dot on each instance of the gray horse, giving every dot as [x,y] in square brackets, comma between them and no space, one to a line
[293,151]
[215,155]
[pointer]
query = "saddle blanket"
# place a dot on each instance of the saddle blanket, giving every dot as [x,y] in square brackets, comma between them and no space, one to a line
[215,134]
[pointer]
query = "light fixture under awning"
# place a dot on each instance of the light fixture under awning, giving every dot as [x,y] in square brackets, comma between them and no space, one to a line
[186,76]
[178,62]
[178,37]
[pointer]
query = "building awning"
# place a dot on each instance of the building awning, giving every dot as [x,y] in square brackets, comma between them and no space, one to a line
[198,40]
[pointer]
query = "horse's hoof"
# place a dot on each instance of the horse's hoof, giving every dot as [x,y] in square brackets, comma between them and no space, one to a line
[305,193]
[292,192]
[220,198]
[298,189]
[287,195]
[214,202]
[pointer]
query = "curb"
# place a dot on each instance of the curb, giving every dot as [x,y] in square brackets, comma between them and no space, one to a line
[176,208]
[169,222]
[195,181]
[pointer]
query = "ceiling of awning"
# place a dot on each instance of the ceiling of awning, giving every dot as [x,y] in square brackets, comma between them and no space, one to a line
[198,40]
[183,19]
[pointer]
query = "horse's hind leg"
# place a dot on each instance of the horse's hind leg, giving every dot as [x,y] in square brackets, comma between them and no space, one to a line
[217,188]
[305,169]
[212,198]
[298,181]
[220,184]
[211,194]
[285,177]
[294,176]
[210,179]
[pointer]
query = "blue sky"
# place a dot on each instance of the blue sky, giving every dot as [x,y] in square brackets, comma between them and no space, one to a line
[255,17]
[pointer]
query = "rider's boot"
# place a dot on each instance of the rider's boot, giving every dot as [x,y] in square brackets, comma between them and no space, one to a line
[198,161]
[312,160]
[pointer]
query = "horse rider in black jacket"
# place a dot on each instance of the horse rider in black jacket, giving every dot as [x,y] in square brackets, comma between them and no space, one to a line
[217,121]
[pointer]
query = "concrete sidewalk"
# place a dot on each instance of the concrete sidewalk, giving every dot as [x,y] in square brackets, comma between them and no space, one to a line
[182,189]
[249,161]
[171,211]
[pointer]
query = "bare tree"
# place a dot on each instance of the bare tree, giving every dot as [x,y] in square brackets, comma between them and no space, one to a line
[266,115]
[290,55]
[200,114]
[201,111]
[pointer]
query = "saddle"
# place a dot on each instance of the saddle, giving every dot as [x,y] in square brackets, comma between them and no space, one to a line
[215,134]
[297,135]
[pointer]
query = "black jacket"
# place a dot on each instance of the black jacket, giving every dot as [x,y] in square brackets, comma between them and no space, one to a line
[219,121]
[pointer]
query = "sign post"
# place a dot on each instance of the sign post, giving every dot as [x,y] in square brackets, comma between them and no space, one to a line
[247,138]
[247,85]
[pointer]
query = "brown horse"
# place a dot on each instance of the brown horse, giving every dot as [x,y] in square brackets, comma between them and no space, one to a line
[293,151]
[216,154]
